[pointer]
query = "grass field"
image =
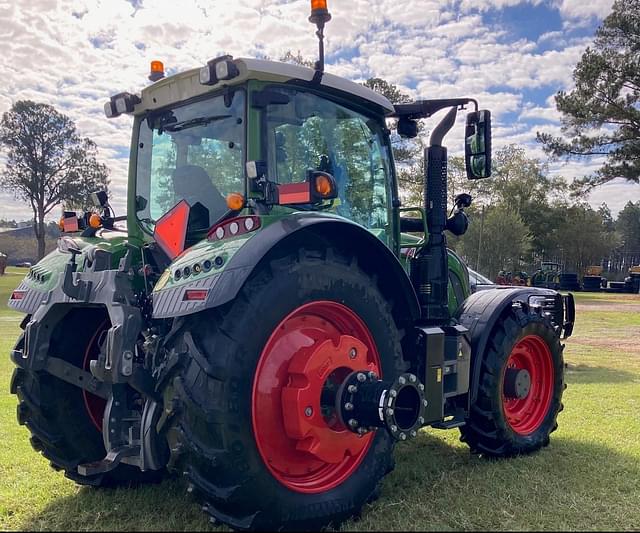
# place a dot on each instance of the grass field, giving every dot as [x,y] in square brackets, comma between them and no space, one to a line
[588,478]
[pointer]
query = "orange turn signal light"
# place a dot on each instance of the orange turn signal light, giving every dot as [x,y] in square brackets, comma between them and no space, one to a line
[95,221]
[318,4]
[235,201]
[324,187]
[61,223]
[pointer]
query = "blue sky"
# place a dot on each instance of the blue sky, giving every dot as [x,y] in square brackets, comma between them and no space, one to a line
[512,55]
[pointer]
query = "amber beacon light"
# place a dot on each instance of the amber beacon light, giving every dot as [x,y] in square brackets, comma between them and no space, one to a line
[319,12]
[156,71]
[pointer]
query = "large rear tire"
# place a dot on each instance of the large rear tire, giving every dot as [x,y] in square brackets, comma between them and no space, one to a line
[254,445]
[65,421]
[515,412]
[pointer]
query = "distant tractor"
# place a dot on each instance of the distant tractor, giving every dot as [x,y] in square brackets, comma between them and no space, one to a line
[256,328]
[547,276]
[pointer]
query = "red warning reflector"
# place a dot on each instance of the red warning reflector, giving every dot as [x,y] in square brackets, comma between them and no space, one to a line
[18,295]
[294,193]
[171,230]
[195,295]
[70,224]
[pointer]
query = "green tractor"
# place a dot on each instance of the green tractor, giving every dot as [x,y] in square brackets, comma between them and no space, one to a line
[263,322]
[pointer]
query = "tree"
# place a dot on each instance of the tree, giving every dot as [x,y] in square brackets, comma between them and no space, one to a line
[500,242]
[47,162]
[628,227]
[601,116]
[585,239]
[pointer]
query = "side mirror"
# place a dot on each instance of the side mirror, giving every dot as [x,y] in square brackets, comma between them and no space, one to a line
[477,144]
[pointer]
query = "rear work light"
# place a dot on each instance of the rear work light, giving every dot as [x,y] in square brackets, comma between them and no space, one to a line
[18,295]
[234,227]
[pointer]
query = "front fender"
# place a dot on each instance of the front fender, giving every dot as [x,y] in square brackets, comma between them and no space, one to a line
[224,286]
[480,313]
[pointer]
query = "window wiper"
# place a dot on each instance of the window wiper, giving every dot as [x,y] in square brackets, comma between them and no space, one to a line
[198,121]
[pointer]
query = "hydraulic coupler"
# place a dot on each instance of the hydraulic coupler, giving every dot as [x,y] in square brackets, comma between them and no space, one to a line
[365,403]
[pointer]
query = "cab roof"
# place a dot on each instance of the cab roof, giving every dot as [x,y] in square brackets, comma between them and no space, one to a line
[186,85]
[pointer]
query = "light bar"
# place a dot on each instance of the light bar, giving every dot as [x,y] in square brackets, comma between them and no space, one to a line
[234,227]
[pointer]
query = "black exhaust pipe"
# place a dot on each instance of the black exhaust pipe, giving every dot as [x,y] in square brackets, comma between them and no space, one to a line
[429,271]
[365,403]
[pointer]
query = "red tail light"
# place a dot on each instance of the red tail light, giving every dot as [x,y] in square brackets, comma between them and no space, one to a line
[18,295]
[195,295]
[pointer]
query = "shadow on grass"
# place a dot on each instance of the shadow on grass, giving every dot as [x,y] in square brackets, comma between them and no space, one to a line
[585,374]
[569,485]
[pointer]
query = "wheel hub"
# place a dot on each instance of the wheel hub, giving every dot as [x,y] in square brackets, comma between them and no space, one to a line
[298,433]
[301,400]
[528,384]
[517,383]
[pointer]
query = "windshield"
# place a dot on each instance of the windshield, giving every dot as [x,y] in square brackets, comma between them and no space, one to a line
[311,132]
[194,152]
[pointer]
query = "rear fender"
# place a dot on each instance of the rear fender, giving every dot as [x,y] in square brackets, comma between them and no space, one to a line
[225,285]
[480,313]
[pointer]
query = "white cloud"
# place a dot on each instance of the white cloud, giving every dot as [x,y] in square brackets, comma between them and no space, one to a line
[581,9]
[74,54]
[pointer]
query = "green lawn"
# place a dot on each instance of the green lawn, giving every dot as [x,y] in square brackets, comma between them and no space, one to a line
[588,478]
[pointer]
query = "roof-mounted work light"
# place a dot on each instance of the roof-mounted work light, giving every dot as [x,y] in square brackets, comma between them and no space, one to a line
[121,103]
[218,69]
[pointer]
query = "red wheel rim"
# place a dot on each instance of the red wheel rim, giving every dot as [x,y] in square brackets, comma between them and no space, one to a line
[301,442]
[94,405]
[525,415]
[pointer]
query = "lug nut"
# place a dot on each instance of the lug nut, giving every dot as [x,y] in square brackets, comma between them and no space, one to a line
[348,406]
[308,411]
[421,386]
[425,402]
[393,428]
[361,377]
[353,423]
[373,375]
[414,433]
[390,412]
[393,393]
[421,420]
[353,353]
[402,436]
[412,378]
[401,380]
[352,389]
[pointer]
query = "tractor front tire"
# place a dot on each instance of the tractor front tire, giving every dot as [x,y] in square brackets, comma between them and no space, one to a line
[65,421]
[256,446]
[501,423]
